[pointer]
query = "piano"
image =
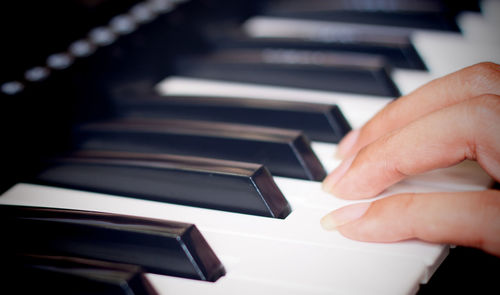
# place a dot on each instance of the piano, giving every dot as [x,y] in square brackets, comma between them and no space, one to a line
[172,146]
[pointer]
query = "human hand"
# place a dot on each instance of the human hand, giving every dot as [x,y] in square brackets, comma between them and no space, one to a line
[450,119]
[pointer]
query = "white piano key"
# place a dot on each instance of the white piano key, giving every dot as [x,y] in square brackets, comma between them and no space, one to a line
[326,155]
[265,26]
[409,80]
[227,285]
[300,227]
[445,53]
[278,267]
[475,27]
[357,108]
[318,267]
[491,11]
[466,176]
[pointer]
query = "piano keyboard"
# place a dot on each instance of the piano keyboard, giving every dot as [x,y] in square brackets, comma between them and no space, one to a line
[291,254]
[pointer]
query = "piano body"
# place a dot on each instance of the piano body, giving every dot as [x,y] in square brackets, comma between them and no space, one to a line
[120,106]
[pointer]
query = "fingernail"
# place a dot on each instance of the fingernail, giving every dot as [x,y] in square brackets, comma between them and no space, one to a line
[336,175]
[347,143]
[344,215]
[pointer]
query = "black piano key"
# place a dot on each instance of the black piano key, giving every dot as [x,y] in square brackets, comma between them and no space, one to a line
[30,274]
[397,50]
[158,246]
[284,152]
[430,17]
[319,122]
[346,72]
[357,5]
[422,6]
[207,183]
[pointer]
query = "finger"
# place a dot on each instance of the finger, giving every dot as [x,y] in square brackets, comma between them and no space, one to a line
[477,80]
[465,218]
[468,130]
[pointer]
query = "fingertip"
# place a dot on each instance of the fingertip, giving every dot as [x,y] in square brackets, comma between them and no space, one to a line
[344,215]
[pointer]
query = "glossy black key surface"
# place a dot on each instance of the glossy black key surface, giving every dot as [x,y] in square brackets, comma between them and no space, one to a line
[208,183]
[30,274]
[284,152]
[320,70]
[158,246]
[432,16]
[397,50]
[358,5]
[319,122]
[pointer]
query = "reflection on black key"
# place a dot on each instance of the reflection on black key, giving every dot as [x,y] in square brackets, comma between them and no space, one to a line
[208,183]
[357,5]
[158,246]
[397,50]
[284,152]
[71,275]
[433,17]
[320,70]
[319,122]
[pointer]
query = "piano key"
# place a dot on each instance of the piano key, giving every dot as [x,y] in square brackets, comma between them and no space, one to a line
[269,26]
[319,122]
[356,108]
[433,18]
[312,266]
[201,182]
[298,235]
[264,282]
[260,258]
[396,50]
[445,53]
[475,28]
[427,14]
[490,9]
[342,72]
[230,285]
[410,80]
[72,275]
[301,226]
[284,152]
[358,5]
[159,246]
[467,176]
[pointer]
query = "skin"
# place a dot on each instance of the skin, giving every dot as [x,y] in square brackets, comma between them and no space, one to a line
[441,124]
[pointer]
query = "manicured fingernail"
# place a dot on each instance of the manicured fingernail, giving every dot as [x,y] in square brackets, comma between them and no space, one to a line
[347,143]
[344,215]
[336,175]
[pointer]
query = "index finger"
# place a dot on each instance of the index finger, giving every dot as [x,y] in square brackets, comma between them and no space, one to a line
[440,139]
[473,81]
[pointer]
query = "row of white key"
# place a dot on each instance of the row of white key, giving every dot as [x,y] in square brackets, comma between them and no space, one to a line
[290,252]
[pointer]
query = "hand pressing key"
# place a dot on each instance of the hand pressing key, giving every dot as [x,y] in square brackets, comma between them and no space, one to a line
[446,121]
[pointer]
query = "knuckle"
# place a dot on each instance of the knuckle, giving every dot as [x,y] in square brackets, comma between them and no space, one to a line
[381,152]
[482,118]
[485,77]
[485,67]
